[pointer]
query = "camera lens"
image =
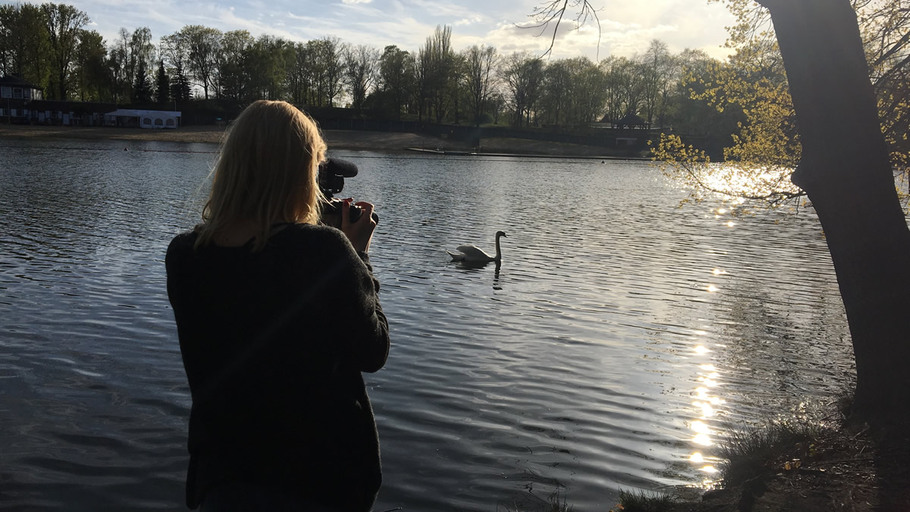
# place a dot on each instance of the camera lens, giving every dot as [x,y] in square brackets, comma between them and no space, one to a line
[355,212]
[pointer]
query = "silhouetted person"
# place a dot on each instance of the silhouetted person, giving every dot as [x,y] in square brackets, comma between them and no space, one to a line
[277,317]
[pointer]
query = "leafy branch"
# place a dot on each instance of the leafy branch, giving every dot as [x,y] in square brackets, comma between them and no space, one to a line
[693,166]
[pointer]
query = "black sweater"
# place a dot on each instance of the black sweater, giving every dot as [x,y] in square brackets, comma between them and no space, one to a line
[274,343]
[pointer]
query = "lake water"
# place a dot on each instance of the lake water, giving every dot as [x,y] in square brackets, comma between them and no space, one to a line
[622,338]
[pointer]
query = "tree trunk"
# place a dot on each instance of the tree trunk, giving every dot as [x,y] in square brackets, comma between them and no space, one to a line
[845,171]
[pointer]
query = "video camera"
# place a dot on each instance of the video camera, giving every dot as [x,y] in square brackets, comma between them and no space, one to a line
[332,173]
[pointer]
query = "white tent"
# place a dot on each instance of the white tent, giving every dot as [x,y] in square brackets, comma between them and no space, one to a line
[143,118]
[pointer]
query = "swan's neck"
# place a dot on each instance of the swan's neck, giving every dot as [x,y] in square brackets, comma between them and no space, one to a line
[498,256]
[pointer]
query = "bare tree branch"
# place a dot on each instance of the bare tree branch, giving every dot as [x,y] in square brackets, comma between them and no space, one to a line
[553,11]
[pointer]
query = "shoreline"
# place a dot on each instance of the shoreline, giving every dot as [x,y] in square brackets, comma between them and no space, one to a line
[356,140]
[42,132]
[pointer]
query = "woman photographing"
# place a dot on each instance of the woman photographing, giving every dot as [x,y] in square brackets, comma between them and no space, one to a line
[277,316]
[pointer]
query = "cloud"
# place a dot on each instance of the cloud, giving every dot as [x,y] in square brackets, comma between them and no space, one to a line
[435,9]
[570,41]
[627,26]
[464,22]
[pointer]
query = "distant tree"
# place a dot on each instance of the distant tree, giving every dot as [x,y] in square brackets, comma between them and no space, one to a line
[325,70]
[181,90]
[333,70]
[659,72]
[298,78]
[173,50]
[557,93]
[202,45]
[624,87]
[142,89]
[234,65]
[310,73]
[162,85]
[591,92]
[268,63]
[523,76]
[689,113]
[92,75]
[423,70]
[361,72]
[175,54]
[7,48]
[64,25]
[437,64]
[24,43]
[573,93]
[496,105]
[122,75]
[481,63]
[459,91]
[140,50]
[397,79]
[124,58]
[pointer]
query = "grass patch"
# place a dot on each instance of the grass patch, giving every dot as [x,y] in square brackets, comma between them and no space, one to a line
[643,502]
[781,446]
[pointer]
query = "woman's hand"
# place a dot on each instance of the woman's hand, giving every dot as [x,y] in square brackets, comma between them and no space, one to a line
[360,233]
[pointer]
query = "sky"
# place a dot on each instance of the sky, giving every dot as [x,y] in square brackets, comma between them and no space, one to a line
[627,26]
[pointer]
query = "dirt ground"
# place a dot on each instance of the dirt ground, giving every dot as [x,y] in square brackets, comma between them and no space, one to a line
[342,139]
[387,142]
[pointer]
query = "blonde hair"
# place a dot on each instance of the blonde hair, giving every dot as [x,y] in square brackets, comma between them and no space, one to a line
[266,172]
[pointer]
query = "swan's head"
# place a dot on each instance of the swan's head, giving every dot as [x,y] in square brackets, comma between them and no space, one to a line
[501,233]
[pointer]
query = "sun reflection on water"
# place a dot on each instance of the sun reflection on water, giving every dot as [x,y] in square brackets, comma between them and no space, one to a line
[705,404]
[720,212]
[741,181]
[706,401]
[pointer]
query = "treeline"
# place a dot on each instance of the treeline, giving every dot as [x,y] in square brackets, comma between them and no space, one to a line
[49,46]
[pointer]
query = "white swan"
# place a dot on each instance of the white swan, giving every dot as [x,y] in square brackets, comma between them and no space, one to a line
[471,254]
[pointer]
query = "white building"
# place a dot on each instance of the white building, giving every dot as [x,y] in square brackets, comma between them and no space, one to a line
[14,94]
[143,118]
[15,88]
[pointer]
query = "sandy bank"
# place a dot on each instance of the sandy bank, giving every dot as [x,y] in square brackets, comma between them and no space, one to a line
[340,139]
[336,139]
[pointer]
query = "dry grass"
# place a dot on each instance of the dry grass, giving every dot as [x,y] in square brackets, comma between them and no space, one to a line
[643,502]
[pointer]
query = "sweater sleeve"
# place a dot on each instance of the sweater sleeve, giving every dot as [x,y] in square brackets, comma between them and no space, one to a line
[375,350]
[365,327]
